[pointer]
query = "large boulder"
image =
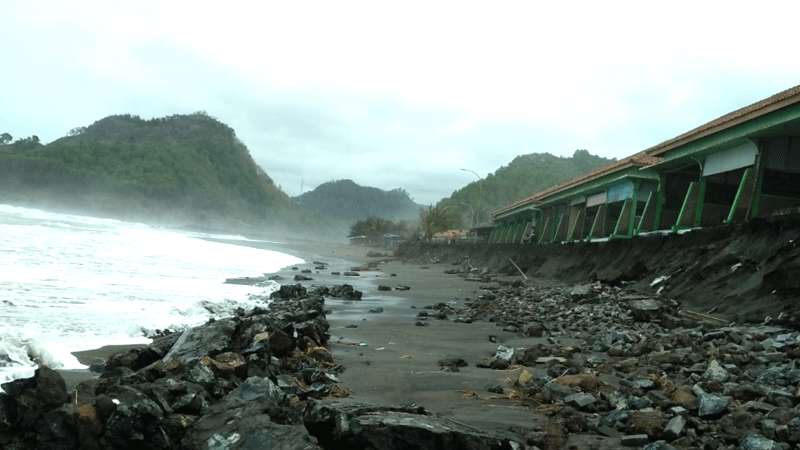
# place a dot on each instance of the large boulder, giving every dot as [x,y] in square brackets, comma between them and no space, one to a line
[343,425]
[28,399]
[210,339]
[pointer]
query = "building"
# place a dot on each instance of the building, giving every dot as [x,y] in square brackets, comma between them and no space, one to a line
[742,165]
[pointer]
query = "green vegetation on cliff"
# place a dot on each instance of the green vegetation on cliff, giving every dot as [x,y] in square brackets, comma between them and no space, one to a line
[346,201]
[183,166]
[524,176]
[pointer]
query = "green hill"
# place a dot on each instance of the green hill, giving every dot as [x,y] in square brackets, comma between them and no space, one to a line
[523,176]
[348,202]
[187,167]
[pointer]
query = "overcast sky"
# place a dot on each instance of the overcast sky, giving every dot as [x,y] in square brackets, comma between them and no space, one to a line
[397,94]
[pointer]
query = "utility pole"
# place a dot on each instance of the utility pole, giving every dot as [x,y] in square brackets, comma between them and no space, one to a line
[477,211]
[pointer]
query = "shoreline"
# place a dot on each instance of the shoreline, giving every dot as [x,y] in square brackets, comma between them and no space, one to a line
[303,249]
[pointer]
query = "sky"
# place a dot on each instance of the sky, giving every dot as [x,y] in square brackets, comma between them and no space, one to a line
[397,94]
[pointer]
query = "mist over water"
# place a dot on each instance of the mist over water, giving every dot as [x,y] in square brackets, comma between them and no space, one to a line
[71,283]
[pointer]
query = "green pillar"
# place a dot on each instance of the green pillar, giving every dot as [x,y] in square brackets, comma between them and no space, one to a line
[545,230]
[755,204]
[623,222]
[661,199]
[701,200]
[742,199]
[557,231]
[648,214]
[687,213]
[635,207]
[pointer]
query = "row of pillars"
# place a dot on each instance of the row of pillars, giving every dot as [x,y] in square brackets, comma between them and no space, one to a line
[570,225]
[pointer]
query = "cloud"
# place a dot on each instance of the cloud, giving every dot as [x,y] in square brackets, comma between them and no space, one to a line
[397,94]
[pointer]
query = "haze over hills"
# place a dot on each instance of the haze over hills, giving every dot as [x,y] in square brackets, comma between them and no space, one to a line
[347,201]
[192,169]
[183,167]
[523,176]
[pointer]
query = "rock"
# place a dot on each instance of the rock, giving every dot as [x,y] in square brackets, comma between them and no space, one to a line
[502,358]
[27,400]
[580,291]
[758,442]
[645,310]
[346,291]
[300,277]
[658,445]
[683,396]
[245,427]
[711,406]
[534,329]
[550,359]
[209,339]
[715,372]
[383,287]
[228,363]
[525,378]
[246,280]
[320,354]
[585,381]
[674,428]
[581,401]
[358,426]
[376,310]
[650,423]
[452,364]
[351,274]
[401,287]
[634,440]
[280,343]
[289,291]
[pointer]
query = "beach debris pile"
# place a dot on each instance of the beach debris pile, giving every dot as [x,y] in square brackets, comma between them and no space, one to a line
[229,383]
[613,369]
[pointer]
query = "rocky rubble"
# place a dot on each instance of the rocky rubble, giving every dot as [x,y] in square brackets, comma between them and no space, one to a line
[262,379]
[630,370]
[238,382]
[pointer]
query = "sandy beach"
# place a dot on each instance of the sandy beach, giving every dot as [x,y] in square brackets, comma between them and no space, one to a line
[397,363]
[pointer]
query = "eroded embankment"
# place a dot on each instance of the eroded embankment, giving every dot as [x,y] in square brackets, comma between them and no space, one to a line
[745,272]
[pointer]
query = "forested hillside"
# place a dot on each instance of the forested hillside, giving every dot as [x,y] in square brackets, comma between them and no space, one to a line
[189,166]
[525,175]
[346,201]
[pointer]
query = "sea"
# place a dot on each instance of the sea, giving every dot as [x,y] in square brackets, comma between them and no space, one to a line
[71,283]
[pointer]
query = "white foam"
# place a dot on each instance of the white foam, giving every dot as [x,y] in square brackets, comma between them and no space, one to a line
[73,283]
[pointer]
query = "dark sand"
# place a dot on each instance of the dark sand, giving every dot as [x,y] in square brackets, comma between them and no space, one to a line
[398,364]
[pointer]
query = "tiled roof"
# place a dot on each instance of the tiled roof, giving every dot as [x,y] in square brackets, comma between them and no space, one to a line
[757,109]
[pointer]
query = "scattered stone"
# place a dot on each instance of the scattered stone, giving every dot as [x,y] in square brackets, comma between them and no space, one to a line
[580,400]
[645,310]
[758,442]
[716,372]
[300,277]
[376,310]
[710,405]
[383,287]
[634,440]
[674,428]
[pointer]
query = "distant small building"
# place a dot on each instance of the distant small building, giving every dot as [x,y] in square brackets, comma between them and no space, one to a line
[391,241]
[481,233]
[449,236]
[358,240]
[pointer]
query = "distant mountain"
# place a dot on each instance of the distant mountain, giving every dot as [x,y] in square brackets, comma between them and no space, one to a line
[187,167]
[348,202]
[523,176]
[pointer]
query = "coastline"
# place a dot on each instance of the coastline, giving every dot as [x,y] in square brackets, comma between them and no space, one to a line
[398,363]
